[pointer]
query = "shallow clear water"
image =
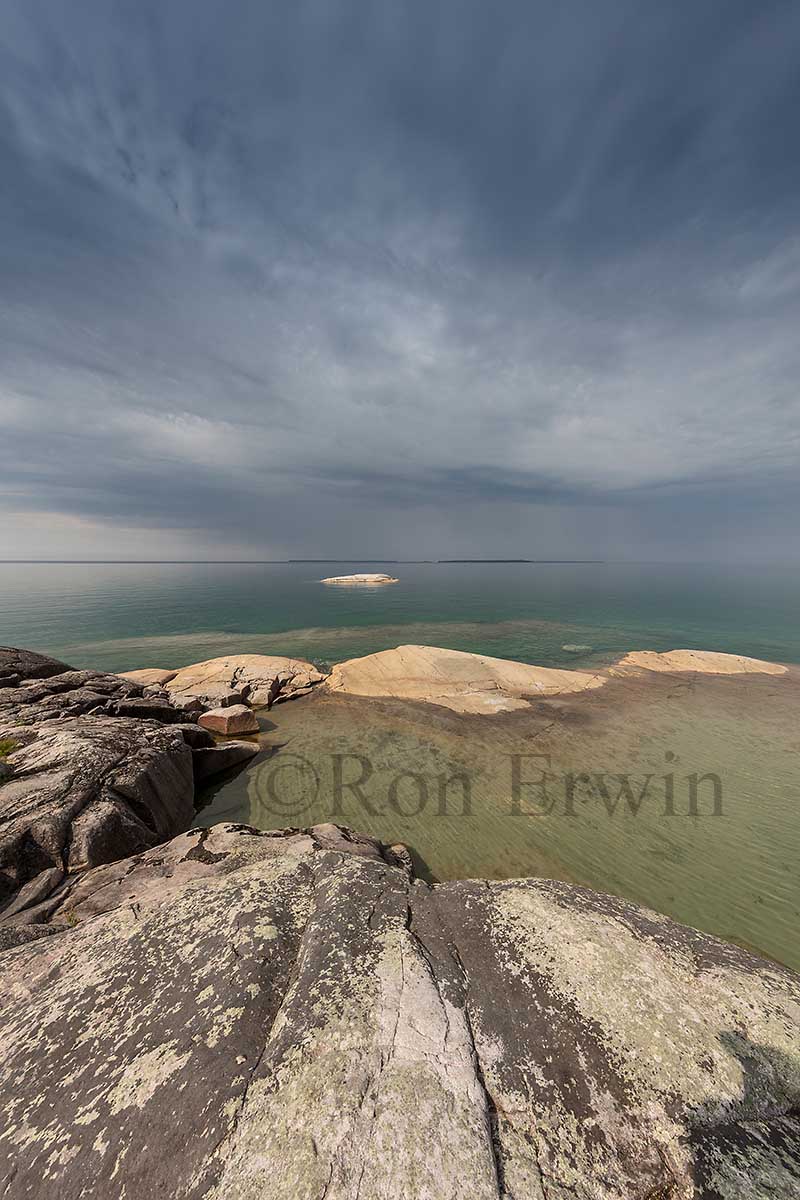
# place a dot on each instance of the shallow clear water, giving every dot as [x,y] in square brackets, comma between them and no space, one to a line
[445,785]
[735,874]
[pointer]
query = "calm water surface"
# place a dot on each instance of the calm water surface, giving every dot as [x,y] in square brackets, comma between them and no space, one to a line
[118,616]
[735,873]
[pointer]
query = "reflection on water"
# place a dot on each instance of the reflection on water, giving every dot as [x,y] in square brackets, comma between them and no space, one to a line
[673,792]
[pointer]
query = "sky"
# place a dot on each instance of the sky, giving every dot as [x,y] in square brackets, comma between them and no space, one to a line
[360,278]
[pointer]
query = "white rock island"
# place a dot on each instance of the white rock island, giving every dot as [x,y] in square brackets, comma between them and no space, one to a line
[365,580]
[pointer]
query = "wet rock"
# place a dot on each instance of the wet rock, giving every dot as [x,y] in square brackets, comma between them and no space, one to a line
[238,718]
[329,1026]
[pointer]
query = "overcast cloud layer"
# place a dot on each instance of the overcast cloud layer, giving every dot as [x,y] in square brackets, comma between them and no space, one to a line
[399,279]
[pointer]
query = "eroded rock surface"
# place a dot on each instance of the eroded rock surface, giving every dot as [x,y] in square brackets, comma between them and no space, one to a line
[466,683]
[294,1016]
[260,679]
[92,770]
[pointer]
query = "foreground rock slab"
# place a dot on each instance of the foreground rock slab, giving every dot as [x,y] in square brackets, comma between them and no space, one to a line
[466,683]
[294,1016]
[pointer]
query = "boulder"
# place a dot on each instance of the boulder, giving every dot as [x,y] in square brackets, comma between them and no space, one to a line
[466,683]
[266,677]
[238,718]
[293,1015]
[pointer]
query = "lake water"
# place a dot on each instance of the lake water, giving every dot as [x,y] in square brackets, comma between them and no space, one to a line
[118,616]
[445,783]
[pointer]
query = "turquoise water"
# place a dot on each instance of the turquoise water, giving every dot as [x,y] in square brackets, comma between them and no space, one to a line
[732,873]
[124,615]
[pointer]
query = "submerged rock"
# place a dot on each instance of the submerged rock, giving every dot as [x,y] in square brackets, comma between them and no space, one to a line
[294,1016]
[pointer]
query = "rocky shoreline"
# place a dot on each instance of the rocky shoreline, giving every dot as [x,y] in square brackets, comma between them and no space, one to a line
[228,1013]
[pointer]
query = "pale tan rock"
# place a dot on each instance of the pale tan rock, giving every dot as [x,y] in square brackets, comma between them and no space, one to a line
[267,676]
[236,718]
[364,580]
[706,662]
[148,676]
[467,683]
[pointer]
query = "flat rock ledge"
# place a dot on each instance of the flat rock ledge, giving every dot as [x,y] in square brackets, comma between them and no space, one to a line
[476,683]
[703,662]
[293,1015]
[454,679]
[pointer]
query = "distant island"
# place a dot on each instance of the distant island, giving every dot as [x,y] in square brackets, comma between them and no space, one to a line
[542,561]
[365,580]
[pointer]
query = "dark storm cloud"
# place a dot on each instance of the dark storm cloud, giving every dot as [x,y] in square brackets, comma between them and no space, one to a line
[297,277]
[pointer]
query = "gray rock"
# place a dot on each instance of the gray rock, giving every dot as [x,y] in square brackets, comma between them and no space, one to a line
[96,775]
[194,736]
[148,708]
[212,761]
[238,1015]
[27,664]
[87,790]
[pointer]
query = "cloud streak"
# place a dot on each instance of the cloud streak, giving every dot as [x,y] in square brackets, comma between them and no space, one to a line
[339,278]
